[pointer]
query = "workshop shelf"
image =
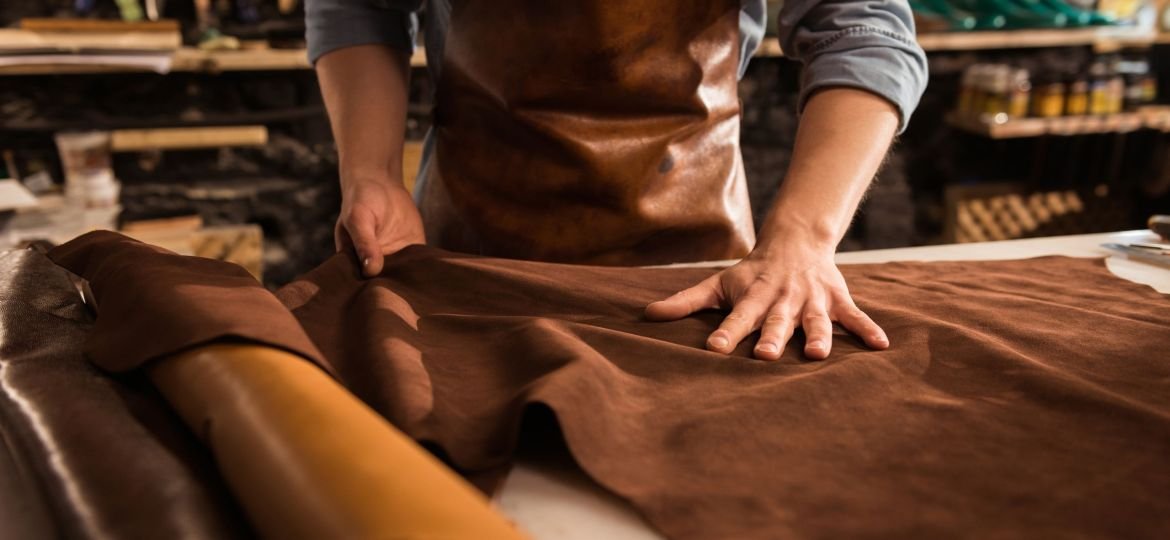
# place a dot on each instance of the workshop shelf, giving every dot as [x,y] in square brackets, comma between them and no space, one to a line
[188,59]
[1003,127]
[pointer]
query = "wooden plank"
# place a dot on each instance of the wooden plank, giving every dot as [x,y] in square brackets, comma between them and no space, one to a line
[240,244]
[177,224]
[1105,38]
[1001,127]
[97,25]
[16,40]
[411,159]
[190,59]
[1025,127]
[132,140]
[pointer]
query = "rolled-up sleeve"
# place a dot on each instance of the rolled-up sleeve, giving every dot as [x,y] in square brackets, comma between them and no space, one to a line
[865,44]
[336,24]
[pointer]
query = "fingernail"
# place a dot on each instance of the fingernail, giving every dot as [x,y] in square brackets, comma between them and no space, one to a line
[718,342]
[767,348]
[881,339]
[816,345]
[365,262]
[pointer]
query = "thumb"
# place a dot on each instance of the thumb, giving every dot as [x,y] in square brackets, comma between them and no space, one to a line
[362,229]
[705,295]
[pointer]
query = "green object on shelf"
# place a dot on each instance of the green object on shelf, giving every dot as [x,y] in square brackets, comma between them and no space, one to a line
[928,20]
[1076,17]
[962,19]
[1016,16]
[1090,18]
[130,10]
[1038,8]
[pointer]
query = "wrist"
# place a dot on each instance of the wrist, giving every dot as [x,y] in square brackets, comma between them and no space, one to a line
[785,235]
[354,176]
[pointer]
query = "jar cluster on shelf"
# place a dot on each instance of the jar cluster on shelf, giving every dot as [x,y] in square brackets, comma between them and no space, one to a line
[1108,84]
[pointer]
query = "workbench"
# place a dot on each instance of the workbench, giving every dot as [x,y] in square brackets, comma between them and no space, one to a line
[551,498]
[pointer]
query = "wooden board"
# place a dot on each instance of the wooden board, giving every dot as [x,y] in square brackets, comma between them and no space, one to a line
[187,59]
[411,159]
[1103,39]
[133,140]
[239,244]
[97,25]
[14,40]
[1005,128]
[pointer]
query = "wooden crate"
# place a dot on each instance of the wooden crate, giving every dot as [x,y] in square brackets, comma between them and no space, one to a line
[239,244]
[1007,211]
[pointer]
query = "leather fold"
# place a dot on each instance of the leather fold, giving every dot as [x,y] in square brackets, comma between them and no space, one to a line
[152,302]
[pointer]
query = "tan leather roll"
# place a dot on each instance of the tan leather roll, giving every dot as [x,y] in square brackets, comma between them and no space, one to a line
[306,459]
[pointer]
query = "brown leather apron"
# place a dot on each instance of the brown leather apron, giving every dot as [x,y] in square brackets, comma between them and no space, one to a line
[589,131]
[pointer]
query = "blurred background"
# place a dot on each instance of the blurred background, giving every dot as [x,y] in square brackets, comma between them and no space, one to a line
[198,125]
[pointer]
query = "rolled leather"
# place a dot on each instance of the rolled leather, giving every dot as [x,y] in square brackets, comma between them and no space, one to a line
[306,459]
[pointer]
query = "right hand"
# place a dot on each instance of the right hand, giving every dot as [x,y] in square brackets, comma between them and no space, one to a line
[378,217]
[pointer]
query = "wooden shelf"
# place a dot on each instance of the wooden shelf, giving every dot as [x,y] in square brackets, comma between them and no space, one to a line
[190,60]
[134,140]
[1102,39]
[218,119]
[1003,128]
[195,60]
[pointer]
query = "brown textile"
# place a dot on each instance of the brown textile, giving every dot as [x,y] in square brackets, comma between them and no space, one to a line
[164,299]
[84,455]
[603,132]
[1019,399]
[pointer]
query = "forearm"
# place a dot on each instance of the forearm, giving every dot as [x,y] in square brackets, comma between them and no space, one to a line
[842,139]
[366,89]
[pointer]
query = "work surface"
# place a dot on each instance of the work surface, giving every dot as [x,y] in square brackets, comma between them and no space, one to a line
[551,498]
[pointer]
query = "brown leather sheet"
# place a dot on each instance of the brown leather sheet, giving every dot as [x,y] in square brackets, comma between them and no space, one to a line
[1020,399]
[83,454]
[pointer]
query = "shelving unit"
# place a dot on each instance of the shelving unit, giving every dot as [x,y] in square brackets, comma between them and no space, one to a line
[254,117]
[187,59]
[1103,39]
[1004,128]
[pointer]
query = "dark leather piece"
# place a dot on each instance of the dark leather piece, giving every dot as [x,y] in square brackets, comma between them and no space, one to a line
[219,304]
[89,456]
[604,133]
[1019,399]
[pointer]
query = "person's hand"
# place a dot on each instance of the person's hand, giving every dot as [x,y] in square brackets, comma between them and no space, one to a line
[378,217]
[776,290]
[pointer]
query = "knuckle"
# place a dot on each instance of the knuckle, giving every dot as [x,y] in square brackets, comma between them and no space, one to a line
[816,317]
[765,278]
[777,318]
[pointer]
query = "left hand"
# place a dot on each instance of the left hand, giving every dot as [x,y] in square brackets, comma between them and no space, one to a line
[776,290]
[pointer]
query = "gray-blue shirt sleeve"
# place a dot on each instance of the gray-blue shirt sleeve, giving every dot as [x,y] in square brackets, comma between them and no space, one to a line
[866,44]
[336,24]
